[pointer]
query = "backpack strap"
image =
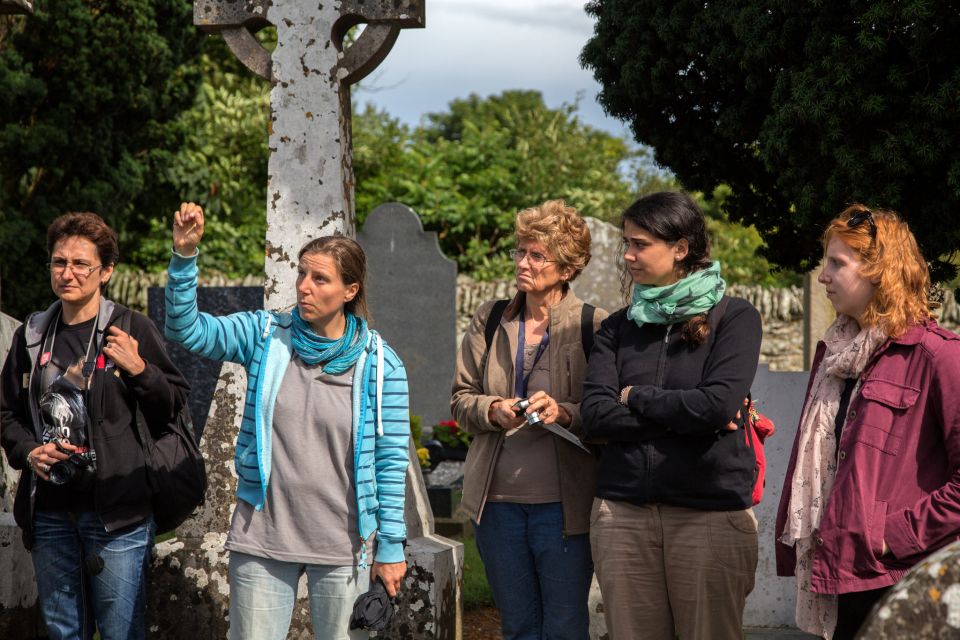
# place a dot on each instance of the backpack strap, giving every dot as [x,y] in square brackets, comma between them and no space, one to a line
[586,328]
[496,313]
[586,325]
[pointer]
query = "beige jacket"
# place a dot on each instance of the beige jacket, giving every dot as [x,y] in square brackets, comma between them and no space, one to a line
[482,379]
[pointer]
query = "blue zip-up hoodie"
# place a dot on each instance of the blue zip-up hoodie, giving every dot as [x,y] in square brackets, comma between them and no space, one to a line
[261,341]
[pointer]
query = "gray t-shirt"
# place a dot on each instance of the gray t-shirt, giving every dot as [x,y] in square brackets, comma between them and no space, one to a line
[310,514]
[526,470]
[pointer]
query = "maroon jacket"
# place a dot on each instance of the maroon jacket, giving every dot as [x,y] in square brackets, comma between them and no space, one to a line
[898,471]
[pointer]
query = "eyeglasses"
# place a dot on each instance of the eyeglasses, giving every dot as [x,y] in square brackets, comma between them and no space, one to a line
[859,218]
[80,270]
[534,259]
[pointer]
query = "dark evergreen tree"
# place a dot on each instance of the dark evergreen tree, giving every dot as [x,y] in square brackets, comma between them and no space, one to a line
[88,92]
[801,107]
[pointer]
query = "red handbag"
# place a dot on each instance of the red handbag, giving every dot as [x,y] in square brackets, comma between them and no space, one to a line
[757,428]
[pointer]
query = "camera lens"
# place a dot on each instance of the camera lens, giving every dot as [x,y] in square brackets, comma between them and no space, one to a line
[61,473]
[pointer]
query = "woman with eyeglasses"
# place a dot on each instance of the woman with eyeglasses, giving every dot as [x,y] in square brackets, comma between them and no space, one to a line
[673,533]
[72,384]
[528,480]
[873,484]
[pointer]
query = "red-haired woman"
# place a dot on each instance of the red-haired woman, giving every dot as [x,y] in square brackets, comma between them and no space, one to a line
[873,484]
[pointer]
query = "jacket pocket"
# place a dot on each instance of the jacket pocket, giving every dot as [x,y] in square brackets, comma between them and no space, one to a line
[884,403]
[877,527]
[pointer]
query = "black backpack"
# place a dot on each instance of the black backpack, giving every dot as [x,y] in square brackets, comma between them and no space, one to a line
[586,325]
[176,473]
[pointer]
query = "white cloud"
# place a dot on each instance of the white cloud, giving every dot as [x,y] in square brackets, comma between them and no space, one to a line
[485,48]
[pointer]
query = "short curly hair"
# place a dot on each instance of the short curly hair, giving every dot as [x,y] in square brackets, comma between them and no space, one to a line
[561,229]
[891,257]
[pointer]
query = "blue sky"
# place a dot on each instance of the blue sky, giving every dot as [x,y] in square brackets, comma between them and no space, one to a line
[485,47]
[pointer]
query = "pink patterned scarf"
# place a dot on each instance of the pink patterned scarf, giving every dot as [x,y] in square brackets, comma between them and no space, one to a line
[849,349]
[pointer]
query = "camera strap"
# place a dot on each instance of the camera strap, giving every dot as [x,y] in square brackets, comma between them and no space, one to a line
[89,359]
[521,381]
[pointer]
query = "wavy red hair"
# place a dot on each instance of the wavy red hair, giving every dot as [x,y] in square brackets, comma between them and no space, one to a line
[893,261]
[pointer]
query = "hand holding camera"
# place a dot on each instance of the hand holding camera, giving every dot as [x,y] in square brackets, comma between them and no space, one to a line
[541,408]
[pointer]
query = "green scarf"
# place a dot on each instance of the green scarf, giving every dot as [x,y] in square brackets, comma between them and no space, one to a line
[680,301]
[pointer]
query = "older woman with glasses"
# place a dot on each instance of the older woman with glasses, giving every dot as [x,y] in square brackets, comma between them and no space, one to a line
[873,485]
[72,386]
[528,481]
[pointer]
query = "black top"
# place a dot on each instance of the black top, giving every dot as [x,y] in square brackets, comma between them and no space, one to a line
[670,444]
[69,347]
[841,416]
[121,495]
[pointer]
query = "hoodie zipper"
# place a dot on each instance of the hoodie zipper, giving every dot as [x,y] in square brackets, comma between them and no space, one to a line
[662,362]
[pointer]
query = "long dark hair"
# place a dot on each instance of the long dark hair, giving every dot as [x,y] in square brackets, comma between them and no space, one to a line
[672,216]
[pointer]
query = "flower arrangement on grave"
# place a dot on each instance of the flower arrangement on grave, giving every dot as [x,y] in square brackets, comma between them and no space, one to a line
[450,434]
[416,431]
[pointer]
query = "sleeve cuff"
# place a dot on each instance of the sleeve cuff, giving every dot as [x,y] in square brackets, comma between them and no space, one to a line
[576,423]
[388,551]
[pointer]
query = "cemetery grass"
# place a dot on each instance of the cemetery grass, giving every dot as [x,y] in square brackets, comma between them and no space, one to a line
[481,620]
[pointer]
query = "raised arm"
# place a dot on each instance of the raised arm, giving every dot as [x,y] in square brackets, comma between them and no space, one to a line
[234,337]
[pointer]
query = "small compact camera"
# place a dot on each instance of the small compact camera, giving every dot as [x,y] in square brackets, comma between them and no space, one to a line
[533,418]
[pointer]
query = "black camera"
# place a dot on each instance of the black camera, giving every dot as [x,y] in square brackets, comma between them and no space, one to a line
[63,412]
[79,469]
[533,418]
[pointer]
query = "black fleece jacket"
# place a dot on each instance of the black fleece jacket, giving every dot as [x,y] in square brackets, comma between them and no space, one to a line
[669,445]
[122,496]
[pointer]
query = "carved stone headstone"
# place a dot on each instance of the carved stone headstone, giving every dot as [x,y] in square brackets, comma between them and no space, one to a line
[412,297]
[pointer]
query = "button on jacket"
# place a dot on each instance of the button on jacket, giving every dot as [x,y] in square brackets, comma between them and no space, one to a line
[897,475]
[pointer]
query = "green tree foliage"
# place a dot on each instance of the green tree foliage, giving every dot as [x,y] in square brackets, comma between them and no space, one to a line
[221,164]
[88,91]
[800,107]
[468,171]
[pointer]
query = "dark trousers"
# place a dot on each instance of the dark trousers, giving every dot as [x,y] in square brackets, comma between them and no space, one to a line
[853,609]
[540,578]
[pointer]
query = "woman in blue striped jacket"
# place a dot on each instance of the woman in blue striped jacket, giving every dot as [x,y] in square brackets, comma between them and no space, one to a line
[322,452]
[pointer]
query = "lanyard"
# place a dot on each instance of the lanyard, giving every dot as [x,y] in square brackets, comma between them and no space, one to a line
[520,380]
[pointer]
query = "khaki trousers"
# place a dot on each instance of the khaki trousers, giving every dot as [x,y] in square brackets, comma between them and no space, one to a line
[664,568]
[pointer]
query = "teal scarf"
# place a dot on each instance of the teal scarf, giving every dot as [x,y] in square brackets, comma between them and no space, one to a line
[680,301]
[335,356]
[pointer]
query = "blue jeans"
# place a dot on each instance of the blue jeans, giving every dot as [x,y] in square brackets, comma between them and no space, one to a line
[263,593]
[74,602]
[540,578]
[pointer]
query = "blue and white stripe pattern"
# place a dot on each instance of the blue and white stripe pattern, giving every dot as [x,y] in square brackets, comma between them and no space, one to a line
[261,342]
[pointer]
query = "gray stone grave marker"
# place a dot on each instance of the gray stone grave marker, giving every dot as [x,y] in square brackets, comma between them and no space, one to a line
[412,297]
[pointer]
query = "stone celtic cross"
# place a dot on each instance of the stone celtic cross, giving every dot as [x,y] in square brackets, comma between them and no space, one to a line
[310,182]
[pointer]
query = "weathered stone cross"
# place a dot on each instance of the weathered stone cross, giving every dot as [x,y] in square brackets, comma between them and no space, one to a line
[310,183]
